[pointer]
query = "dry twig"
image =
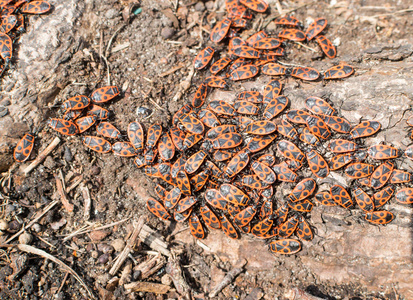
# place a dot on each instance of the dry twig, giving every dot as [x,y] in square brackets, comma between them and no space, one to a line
[186,84]
[228,278]
[128,248]
[42,156]
[63,196]
[33,250]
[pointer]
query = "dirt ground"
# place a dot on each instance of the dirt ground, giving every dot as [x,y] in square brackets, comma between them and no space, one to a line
[147,50]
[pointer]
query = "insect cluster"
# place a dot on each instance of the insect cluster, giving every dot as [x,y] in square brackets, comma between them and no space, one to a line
[212,166]
[12,24]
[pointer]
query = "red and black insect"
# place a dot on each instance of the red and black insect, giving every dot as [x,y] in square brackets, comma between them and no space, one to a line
[267,159]
[284,173]
[297,116]
[191,124]
[220,30]
[35,7]
[273,69]
[400,176]
[76,103]
[182,181]
[84,123]
[319,106]
[104,94]
[303,230]
[195,226]
[233,194]
[203,58]
[228,228]
[383,152]
[255,5]
[244,72]
[97,144]
[215,199]
[318,165]
[409,152]
[185,204]
[262,227]
[250,96]
[181,217]
[287,228]
[72,114]
[405,196]
[256,37]
[337,124]
[245,51]
[292,34]
[315,28]
[222,155]
[307,137]
[272,90]
[325,198]
[381,175]
[195,162]
[200,95]
[208,118]
[285,246]
[125,149]
[221,107]
[155,207]
[108,130]
[24,148]
[246,107]
[6,48]
[364,129]
[219,65]
[264,172]
[253,182]
[382,197]
[65,127]
[237,164]
[172,197]
[287,21]
[244,217]
[359,170]
[340,196]
[261,127]
[342,146]
[318,127]
[266,43]
[99,112]
[305,73]
[305,206]
[166,148]
[327,46]
[380,217]
[364,201]
[8,22]
[191,140]
[340,160]
[215,132]
[338,72]
[209,217]
[216,82]
[160,191]
[275,106]
[304,189]
[199,180]
[290,151]
[286,129]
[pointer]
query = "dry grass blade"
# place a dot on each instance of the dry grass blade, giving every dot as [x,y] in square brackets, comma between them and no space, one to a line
[33,250]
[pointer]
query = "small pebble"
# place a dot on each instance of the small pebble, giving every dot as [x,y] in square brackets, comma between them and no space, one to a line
[105,248]
[4,225]
[36,227]
[14,226]
[68,154]
[95,170]
[118,244]
[3,111]
[200,6]
[25,238]
[167,32]
[103,259]
[166,279]
[210,5]
[5,102]
[94,254]
[143,112]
